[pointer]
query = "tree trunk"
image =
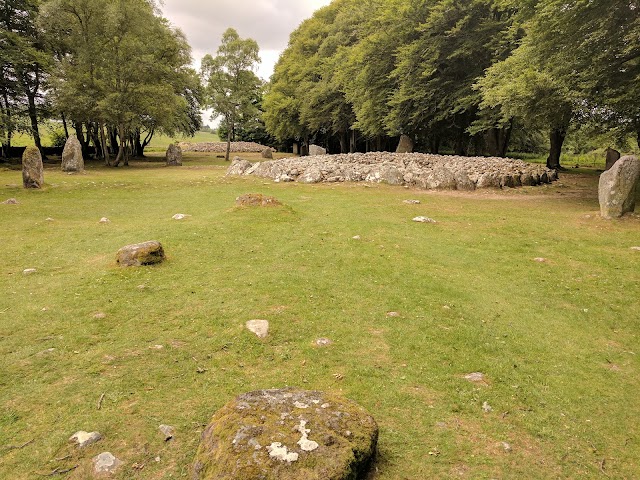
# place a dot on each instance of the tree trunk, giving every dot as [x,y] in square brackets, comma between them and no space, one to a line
[556,137]
[80,136]
[147,140]
[93,132]
[638,138]
[342,136]
[434,144]
[460,147]
[497,141]
[64,124]
[103,141]
[33,116]
[226,157]
[113,139]
[138,150]
[352,142]
[121,147]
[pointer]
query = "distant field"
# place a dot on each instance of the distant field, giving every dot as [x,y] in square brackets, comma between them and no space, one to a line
[158,142]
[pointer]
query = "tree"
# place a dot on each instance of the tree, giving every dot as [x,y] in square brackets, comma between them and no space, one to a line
[230,82]
[24,61]
[125,69]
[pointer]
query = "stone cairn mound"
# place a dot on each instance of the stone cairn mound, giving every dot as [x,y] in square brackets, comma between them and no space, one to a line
[221,147]
[287,434]
[257,200]
[412,169]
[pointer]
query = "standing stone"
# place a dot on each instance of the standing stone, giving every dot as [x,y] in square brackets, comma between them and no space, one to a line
[287,434]
[174,155]
[72,160]
[316,150]
[296,149]
[612,157]
[405,145]
[267,153]
[32,169]
[146,253]
[619,187]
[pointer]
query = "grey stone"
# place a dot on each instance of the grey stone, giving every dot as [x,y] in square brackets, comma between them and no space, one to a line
[29,271]
[259,327]
[104,220]
[239,166]
[168,431]
[287,434]
[405,145]
[612,156]
[106,463]
[10,201]
[83,439]
[32,168]
[422,219]
[72,160]
[411,202]
[618,188]
[476,377]
[316,150]
[310,175]
[323,342]
[267,153]
[174,155]
[146,253]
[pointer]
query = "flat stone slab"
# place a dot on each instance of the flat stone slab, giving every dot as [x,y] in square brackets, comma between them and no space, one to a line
[287,434]
[106,463]
[83,439]
[146,253]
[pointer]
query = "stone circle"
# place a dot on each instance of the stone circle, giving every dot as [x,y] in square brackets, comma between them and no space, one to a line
[146,253]
[287,434]
[174,155]
[418,170]
[619,187]
[72,160]
[32,168]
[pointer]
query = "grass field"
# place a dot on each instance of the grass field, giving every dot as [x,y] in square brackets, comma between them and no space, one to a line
[556,340]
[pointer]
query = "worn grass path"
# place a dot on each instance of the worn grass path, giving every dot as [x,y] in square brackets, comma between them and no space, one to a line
[557,340]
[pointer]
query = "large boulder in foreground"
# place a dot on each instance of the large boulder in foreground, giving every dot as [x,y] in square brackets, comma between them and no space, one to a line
[146,253]
[619,187]
[72,160]
[174,155]
[32,169]
[287,434]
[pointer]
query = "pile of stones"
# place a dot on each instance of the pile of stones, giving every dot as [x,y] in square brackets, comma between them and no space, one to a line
[221,147]
[412,169]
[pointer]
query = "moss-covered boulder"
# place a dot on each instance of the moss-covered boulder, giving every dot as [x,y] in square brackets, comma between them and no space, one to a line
[32,169]
[287,434]
[146,253]
[256,200]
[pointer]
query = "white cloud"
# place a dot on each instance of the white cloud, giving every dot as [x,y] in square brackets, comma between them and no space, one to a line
[269,22]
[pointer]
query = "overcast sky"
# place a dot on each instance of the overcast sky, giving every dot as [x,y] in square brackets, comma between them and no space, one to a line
[269,22]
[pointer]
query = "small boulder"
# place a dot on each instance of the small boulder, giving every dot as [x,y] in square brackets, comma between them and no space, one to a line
[257,200]
[411,202]
[405,145]
[32,169]
[316,150]
[29,271]
[10,201]
[72,160]
[105,463]
[238,166]
[83,439]
[267,153]
[287,434]
[612,156]
[323,342]
[422,219]
[167,430]
[618,187]
[104,220]
[146,253]
[310,175]
[174,155]
[259,327]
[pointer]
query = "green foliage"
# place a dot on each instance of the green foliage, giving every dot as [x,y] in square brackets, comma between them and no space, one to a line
[231,86]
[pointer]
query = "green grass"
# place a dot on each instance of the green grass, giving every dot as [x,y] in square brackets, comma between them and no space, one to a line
[558,341]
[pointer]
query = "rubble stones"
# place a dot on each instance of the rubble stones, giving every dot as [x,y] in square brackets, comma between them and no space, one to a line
[105,463]
[72,160]
[221,147]
[411,169]
[83,439]
[619,187]
[174,155]
[256,200]
[287,434]
[146,253]
[32,169]
[238,166]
